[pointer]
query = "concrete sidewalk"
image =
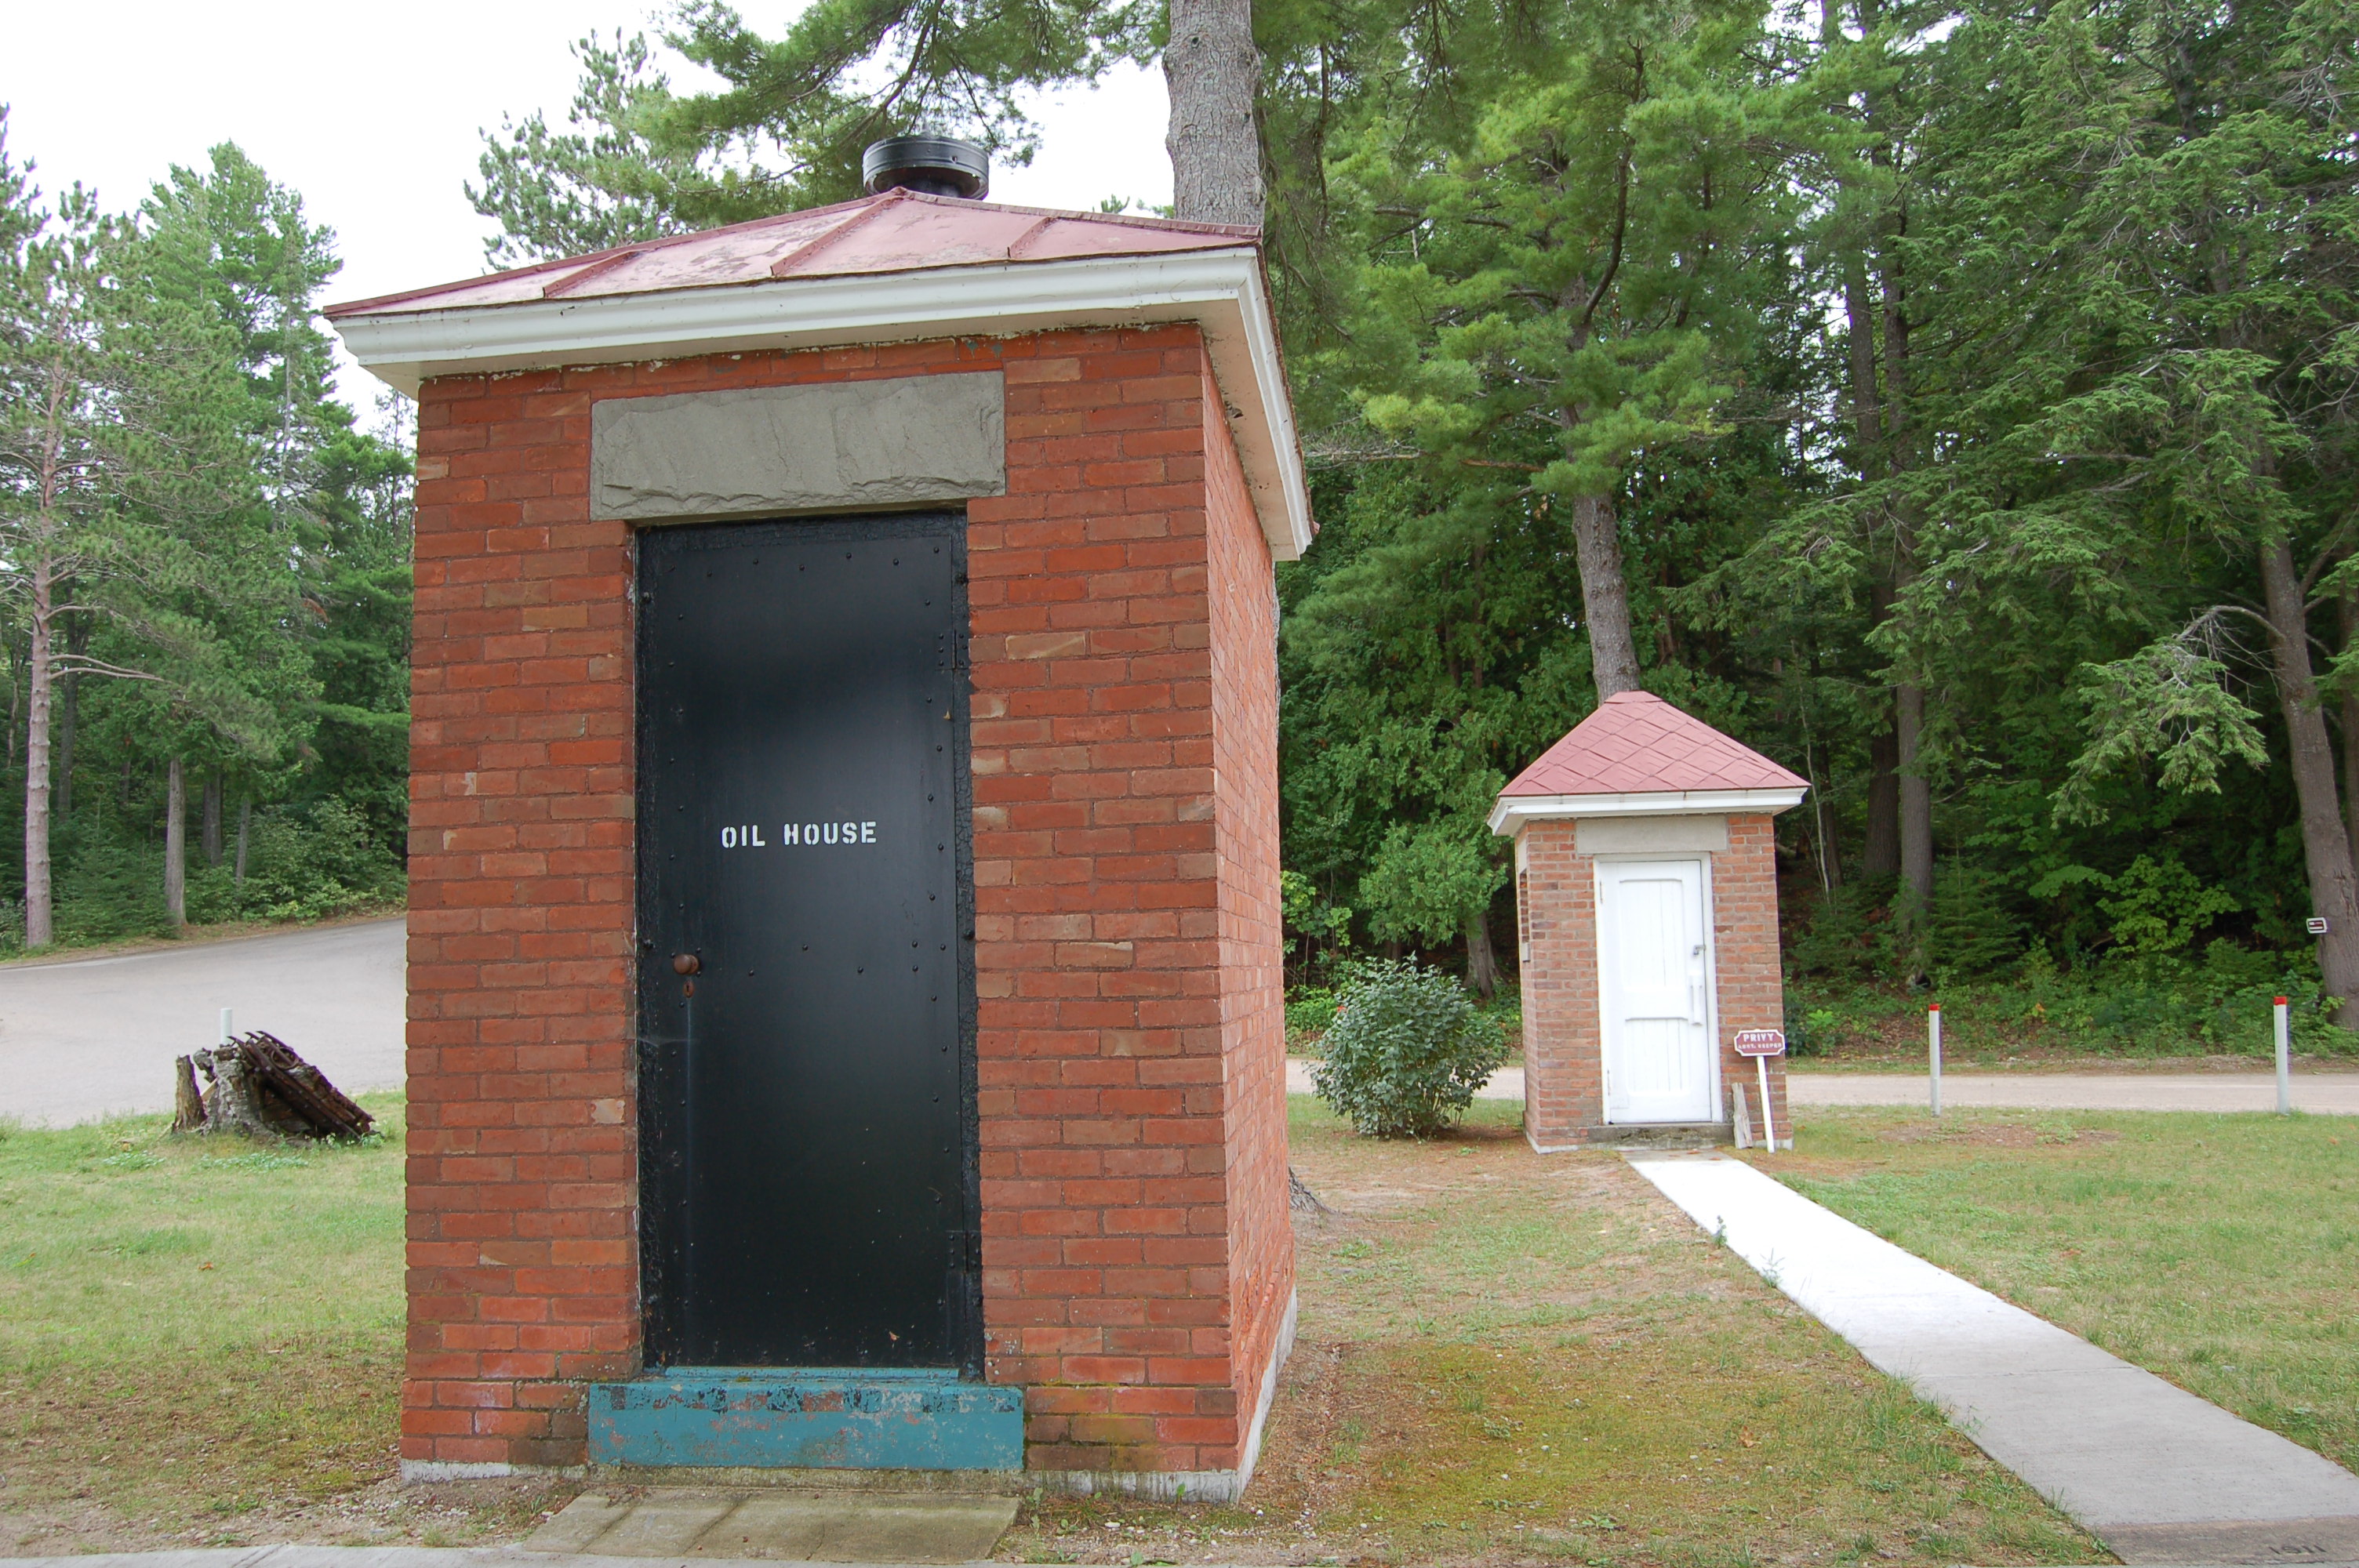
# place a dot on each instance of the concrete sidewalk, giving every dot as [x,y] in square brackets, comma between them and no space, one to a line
[395,1557]
[2157,1474]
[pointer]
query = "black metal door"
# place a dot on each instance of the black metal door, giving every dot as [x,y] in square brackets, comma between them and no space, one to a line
[807,1126]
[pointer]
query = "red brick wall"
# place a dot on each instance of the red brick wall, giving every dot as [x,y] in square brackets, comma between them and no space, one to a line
[1253,1001]
[1105,1097]
[1563,1071]
[1565,1095]
[522,1264]
[1744,941]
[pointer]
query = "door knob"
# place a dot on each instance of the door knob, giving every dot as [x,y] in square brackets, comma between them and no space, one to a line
[685,964]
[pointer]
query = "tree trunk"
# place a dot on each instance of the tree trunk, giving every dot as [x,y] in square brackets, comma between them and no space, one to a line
[1481,964]
[1213,71]
[212,830]
[2326,845]
[175,842]
[40,928]
[244,817]
[1606,594]
[1916,801]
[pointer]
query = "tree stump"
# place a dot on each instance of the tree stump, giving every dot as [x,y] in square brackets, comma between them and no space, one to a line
[260,1087]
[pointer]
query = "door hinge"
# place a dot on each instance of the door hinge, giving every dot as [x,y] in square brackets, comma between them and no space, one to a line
[966,1251]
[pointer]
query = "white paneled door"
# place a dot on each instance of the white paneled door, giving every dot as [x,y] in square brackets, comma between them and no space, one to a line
[1655,980]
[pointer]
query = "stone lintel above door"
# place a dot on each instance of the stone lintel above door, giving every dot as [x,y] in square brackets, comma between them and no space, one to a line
[1652,834]
[771,450]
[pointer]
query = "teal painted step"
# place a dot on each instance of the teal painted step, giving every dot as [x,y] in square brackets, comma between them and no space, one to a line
[819,1418]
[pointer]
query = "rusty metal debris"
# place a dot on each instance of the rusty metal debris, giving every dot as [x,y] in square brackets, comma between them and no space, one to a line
[255,1084]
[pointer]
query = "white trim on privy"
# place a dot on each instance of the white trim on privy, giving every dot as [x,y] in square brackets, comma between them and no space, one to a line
[1222,290]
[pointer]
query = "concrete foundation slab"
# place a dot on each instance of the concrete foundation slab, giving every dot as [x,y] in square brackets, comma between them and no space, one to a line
[776,1525]
[852,1419]
[2156,1473]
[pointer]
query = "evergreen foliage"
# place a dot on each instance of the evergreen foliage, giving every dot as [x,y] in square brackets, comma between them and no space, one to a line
[206,576]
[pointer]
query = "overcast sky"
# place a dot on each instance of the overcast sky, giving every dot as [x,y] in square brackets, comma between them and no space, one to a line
[372,112]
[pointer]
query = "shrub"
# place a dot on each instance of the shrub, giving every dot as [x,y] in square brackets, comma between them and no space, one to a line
[1970,930]
[1407,1051]
[1309,1011]
[310,862]
[1845,936]
[1810,1031]
[107,892]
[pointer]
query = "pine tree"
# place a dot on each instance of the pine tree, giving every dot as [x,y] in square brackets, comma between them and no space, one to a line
[1572,286]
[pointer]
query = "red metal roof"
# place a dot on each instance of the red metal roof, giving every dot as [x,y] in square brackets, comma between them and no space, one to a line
[1635,744]
[900,231]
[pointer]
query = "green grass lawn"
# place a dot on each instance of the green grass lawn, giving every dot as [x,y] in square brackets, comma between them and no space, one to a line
[2220,1252]
[200,1341]
[1505,1359]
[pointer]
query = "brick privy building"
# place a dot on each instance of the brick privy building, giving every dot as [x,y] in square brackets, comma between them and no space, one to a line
[1646,916]
[845,1025]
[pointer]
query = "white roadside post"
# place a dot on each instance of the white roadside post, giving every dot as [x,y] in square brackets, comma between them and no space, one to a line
[2285,1061]
[1934,1050]
[1761,1045]
[225,1026]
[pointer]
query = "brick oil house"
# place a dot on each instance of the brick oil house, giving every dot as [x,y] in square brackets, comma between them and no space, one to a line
[1646,915]
[890,579]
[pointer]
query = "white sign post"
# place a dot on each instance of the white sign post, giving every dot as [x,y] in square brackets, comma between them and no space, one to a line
[1934,1050]
[225,1028]
[1761,1045]
[2285,1061]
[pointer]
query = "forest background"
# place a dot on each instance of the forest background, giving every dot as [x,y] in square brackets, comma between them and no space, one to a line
[1954,401]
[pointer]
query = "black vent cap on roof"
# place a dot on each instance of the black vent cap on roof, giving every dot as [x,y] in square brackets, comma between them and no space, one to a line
[933,166]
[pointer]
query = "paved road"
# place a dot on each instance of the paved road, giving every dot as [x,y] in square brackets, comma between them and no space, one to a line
[2335,1094]
[87,1037]
[2328,1093]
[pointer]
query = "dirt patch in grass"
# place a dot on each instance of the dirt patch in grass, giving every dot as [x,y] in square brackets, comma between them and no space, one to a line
[2216,1251]
[1510,1358]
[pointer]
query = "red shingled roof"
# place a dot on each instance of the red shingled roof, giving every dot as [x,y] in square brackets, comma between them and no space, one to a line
[1635,744]
[900,231]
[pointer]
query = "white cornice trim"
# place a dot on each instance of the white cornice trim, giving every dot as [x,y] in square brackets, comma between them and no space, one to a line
[1222,290]
[1514,810]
